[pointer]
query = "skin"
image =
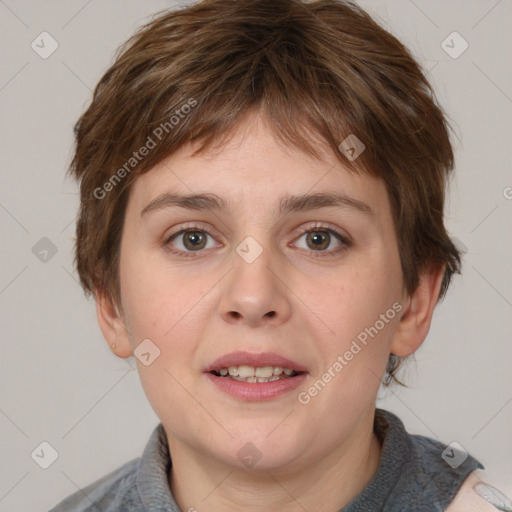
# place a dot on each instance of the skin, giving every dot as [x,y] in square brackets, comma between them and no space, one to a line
[317,456]
[468,499]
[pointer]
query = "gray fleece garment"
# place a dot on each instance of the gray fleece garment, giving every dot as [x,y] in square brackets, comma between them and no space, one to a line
[412,477]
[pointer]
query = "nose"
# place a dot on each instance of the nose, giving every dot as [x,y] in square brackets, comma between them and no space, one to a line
[254,293]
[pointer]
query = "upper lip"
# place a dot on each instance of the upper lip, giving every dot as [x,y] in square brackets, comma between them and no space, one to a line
[255,360]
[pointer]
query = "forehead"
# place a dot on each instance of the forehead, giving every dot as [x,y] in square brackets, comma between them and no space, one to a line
[255,169]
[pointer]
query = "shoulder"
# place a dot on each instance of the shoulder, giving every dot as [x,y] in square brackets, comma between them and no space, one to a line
[105,494]
[477,495]
[417,472]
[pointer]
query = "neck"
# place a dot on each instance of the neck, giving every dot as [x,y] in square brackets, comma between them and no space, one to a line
[201,483]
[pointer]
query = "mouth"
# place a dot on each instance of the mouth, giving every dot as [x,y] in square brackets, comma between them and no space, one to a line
[245,373]
[255,377]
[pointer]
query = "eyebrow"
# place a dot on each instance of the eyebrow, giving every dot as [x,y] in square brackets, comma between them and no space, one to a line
[306,202]
[287,204]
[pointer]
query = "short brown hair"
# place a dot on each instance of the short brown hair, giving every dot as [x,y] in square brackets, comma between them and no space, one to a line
[319,71]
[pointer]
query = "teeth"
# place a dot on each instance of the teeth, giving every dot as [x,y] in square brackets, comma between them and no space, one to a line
[264,371]
[245,371]
[258,379]
[256,374]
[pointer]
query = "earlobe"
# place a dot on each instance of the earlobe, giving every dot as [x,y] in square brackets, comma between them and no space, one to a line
[417,316]
[112,326]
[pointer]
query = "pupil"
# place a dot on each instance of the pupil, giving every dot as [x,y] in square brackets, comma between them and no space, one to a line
[194,238]
[317,237]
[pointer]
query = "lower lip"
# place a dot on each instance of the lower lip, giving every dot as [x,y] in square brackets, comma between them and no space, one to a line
[256,391]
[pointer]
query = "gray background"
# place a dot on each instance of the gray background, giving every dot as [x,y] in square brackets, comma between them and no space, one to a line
[59,382]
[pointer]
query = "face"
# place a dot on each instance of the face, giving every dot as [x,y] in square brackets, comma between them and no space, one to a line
[258,280]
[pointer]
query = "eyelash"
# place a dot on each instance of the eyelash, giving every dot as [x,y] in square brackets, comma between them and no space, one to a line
[345,243]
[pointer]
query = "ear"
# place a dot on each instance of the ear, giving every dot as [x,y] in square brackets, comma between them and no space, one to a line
[418,310]
[112,325]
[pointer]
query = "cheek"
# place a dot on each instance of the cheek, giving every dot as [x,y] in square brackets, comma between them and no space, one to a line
[163,304]
[150,302]
[356,304]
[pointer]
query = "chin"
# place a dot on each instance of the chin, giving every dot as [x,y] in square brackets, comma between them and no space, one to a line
[260,453]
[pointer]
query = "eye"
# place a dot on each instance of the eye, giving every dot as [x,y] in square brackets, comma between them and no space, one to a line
[320,239]
[190,240]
